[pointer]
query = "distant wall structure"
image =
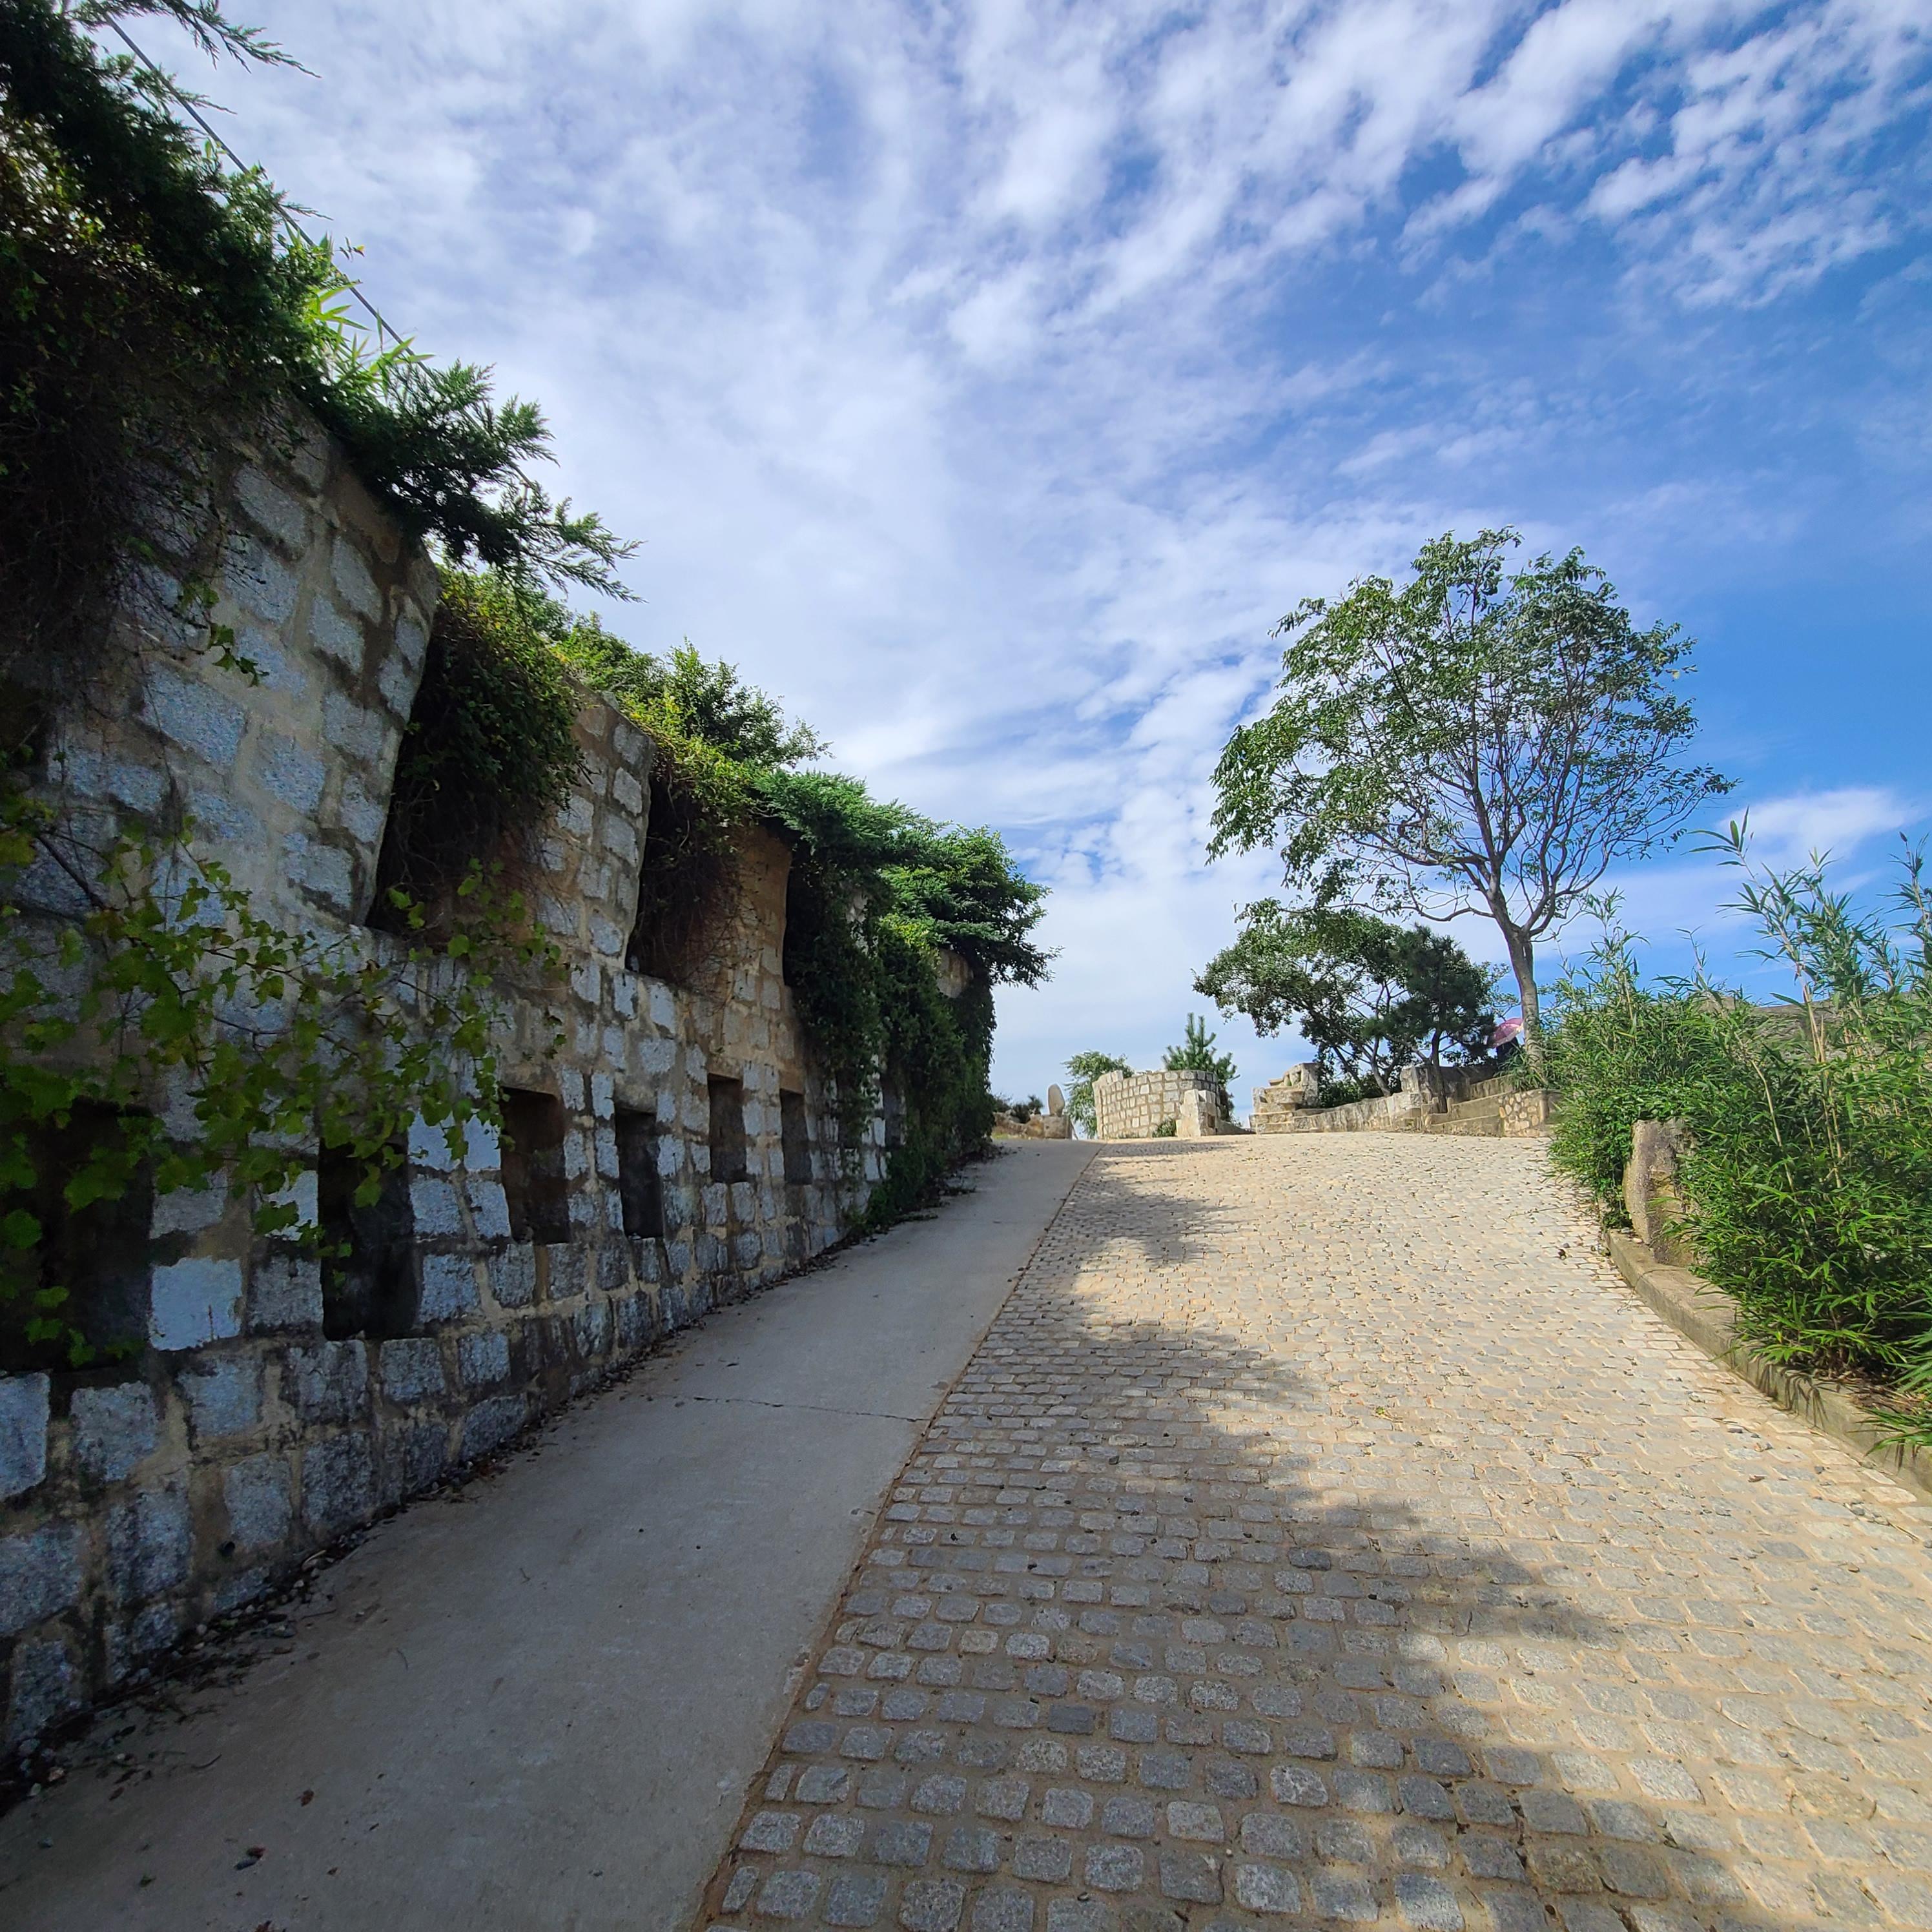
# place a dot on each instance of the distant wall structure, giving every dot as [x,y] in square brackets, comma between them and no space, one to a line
[1430,1100]
[677,1150]
[1131,1106]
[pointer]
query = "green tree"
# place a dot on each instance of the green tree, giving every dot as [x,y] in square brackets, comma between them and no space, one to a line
[1370,996]
[1470,743]
[1082,1070]
[1195,1055]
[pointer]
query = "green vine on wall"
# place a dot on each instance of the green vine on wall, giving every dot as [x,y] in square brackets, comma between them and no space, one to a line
[202,1044]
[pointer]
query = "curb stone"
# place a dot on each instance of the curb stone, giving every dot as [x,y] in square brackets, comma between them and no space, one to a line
[1703,1313]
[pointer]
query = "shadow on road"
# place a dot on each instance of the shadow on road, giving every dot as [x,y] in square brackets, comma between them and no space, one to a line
[1330,1698]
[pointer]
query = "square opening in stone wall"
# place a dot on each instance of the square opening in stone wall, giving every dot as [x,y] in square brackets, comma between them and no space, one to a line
[533,1178]
[892,1106]
[684,882]
[728,1131]
[95,1258]
[796,1139]
[637,1183]
[369,1279]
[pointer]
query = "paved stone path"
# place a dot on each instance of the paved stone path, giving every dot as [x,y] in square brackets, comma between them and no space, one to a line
[1323,1534]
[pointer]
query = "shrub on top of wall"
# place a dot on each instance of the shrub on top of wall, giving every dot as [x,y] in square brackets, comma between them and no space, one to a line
[876,893]
[154,303]
[491,744]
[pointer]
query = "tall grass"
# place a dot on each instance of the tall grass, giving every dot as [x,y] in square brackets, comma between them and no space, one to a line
[1808,1181]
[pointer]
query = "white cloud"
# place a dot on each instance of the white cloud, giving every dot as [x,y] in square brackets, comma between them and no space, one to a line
[986,380]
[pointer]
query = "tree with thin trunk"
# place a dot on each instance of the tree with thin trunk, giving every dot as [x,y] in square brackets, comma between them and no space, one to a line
[1473,743]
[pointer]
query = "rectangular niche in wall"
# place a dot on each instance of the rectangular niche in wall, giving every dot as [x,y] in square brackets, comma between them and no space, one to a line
[728,1131]
[892,1106]
[369,1280]
[99,1254]
[797,1141]
[533,1181]
[637,1183]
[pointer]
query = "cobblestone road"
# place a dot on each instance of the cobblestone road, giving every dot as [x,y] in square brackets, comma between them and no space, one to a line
[1323,1534]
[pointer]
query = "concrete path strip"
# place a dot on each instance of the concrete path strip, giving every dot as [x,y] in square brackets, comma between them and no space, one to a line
[536,1703]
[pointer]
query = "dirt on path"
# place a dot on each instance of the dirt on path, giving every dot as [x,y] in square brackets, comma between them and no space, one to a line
[1323,1534]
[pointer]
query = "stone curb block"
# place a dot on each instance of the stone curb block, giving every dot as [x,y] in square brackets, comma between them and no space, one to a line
[1703,1313]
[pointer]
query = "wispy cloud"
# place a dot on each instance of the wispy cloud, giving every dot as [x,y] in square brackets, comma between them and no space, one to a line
[988,379]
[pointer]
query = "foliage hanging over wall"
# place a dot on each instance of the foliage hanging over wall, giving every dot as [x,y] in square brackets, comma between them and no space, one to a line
[491,745]
[876,894]
[153,304]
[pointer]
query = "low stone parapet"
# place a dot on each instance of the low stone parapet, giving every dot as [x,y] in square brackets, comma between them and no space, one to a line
[1133,1106]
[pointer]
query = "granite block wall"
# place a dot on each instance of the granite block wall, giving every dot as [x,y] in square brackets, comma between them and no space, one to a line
[1130,1106]
[676,1146]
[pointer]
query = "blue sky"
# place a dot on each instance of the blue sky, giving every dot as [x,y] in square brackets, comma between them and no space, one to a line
[985,379]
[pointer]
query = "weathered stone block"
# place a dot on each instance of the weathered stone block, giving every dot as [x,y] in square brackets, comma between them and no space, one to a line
[148,1543]
[196,718]
[336,636]
[285,1291]
[396,682]
[490,1425]
[432,1202]
[338,1483]
[483,1359]
[45,1689]
[489,1211]
[23,1433]
[478,1148]
[278,672]
[188,1210]
[259,1494]
[259,581]
[39,1573]
[328,1382]
[353,583]
[325,872]
[113,1428]
[94,774]
[194,1301]
[291,772]
[592,1325]
[563,1270]
[448,1287]
[223,1395]
[355,730]
[361,816]
[631,1320]
[131,1638]
[411,1370]
[268,504]
[417,1456]
[301,1195]
[1651,1195]
[513,1276]
[412,640]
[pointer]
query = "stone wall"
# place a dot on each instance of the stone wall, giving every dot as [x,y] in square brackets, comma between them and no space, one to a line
[686,1143]
[1130,1106]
